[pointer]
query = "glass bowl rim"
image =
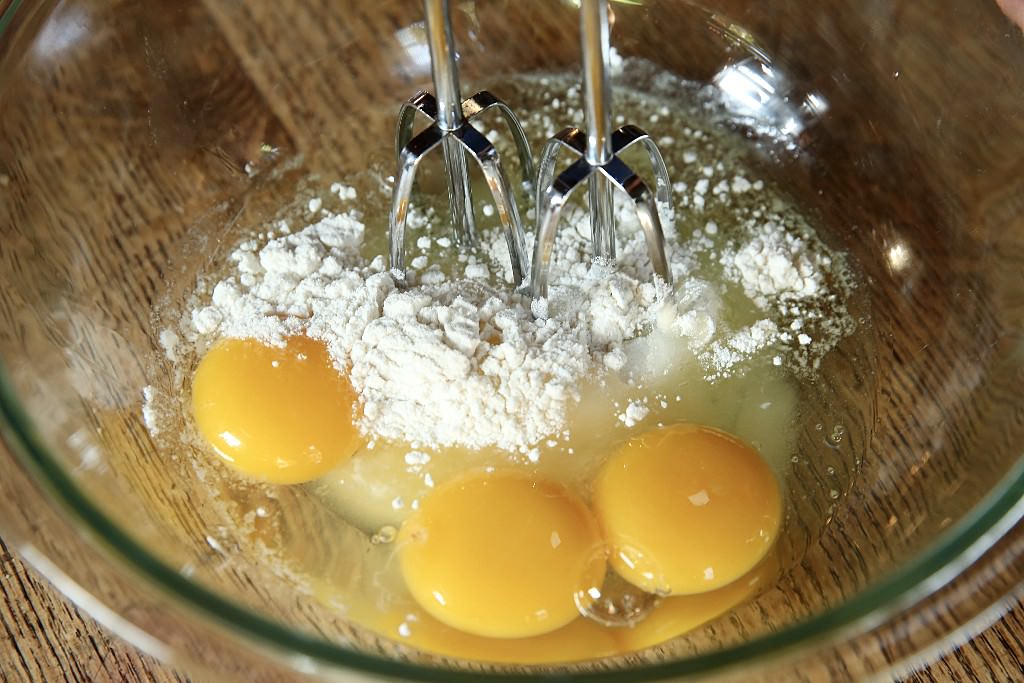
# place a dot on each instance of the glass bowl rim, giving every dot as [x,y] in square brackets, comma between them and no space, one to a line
[8,16]
[950,553]
[954,550]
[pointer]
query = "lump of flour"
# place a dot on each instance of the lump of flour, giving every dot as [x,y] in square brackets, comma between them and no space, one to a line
[440,362]
[458,361]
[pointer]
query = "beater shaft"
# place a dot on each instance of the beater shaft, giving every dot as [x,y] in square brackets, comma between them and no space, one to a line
[598,164]
[452,131]
[597,112]
[449,117]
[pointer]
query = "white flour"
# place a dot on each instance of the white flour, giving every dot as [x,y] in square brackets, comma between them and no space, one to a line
[775,264]
[456,359]
[442,362]
[463,362]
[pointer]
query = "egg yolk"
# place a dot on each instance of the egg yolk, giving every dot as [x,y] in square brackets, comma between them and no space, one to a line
[283,415]
[680,614]
[579,640]
[686,509]
[501,555]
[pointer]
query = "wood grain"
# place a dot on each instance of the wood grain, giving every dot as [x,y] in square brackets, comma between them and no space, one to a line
[146,150]
[45,638]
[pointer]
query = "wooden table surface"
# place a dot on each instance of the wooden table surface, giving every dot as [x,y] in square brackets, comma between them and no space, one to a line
[46,638]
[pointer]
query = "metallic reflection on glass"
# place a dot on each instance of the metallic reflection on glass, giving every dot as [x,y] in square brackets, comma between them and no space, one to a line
[65,29]
[898,256]
[415,50]
[761,97]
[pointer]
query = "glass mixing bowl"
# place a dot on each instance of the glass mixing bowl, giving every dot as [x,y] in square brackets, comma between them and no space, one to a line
[139,139]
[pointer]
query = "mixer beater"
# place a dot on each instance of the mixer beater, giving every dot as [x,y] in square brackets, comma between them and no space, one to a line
[452,131]
[599,164]
[598,148]
[617,603]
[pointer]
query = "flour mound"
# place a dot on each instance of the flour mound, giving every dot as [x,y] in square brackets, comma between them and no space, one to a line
[460,360]
[441,361]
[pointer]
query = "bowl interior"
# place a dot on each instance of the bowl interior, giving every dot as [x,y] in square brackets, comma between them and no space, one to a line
[139,141]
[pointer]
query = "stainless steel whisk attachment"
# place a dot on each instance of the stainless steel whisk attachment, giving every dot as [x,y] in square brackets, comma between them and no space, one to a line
[599,165]
[452,132]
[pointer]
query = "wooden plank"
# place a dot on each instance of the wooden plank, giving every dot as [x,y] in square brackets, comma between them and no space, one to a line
[296,76]
[45,638]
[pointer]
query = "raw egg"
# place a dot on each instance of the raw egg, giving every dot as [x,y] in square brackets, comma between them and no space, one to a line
[501,555]
[284,415]
[681,614]
[686,509]
[581,639]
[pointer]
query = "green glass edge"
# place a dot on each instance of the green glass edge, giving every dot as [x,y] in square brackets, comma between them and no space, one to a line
[8,16]
[20,436]
[890,591]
